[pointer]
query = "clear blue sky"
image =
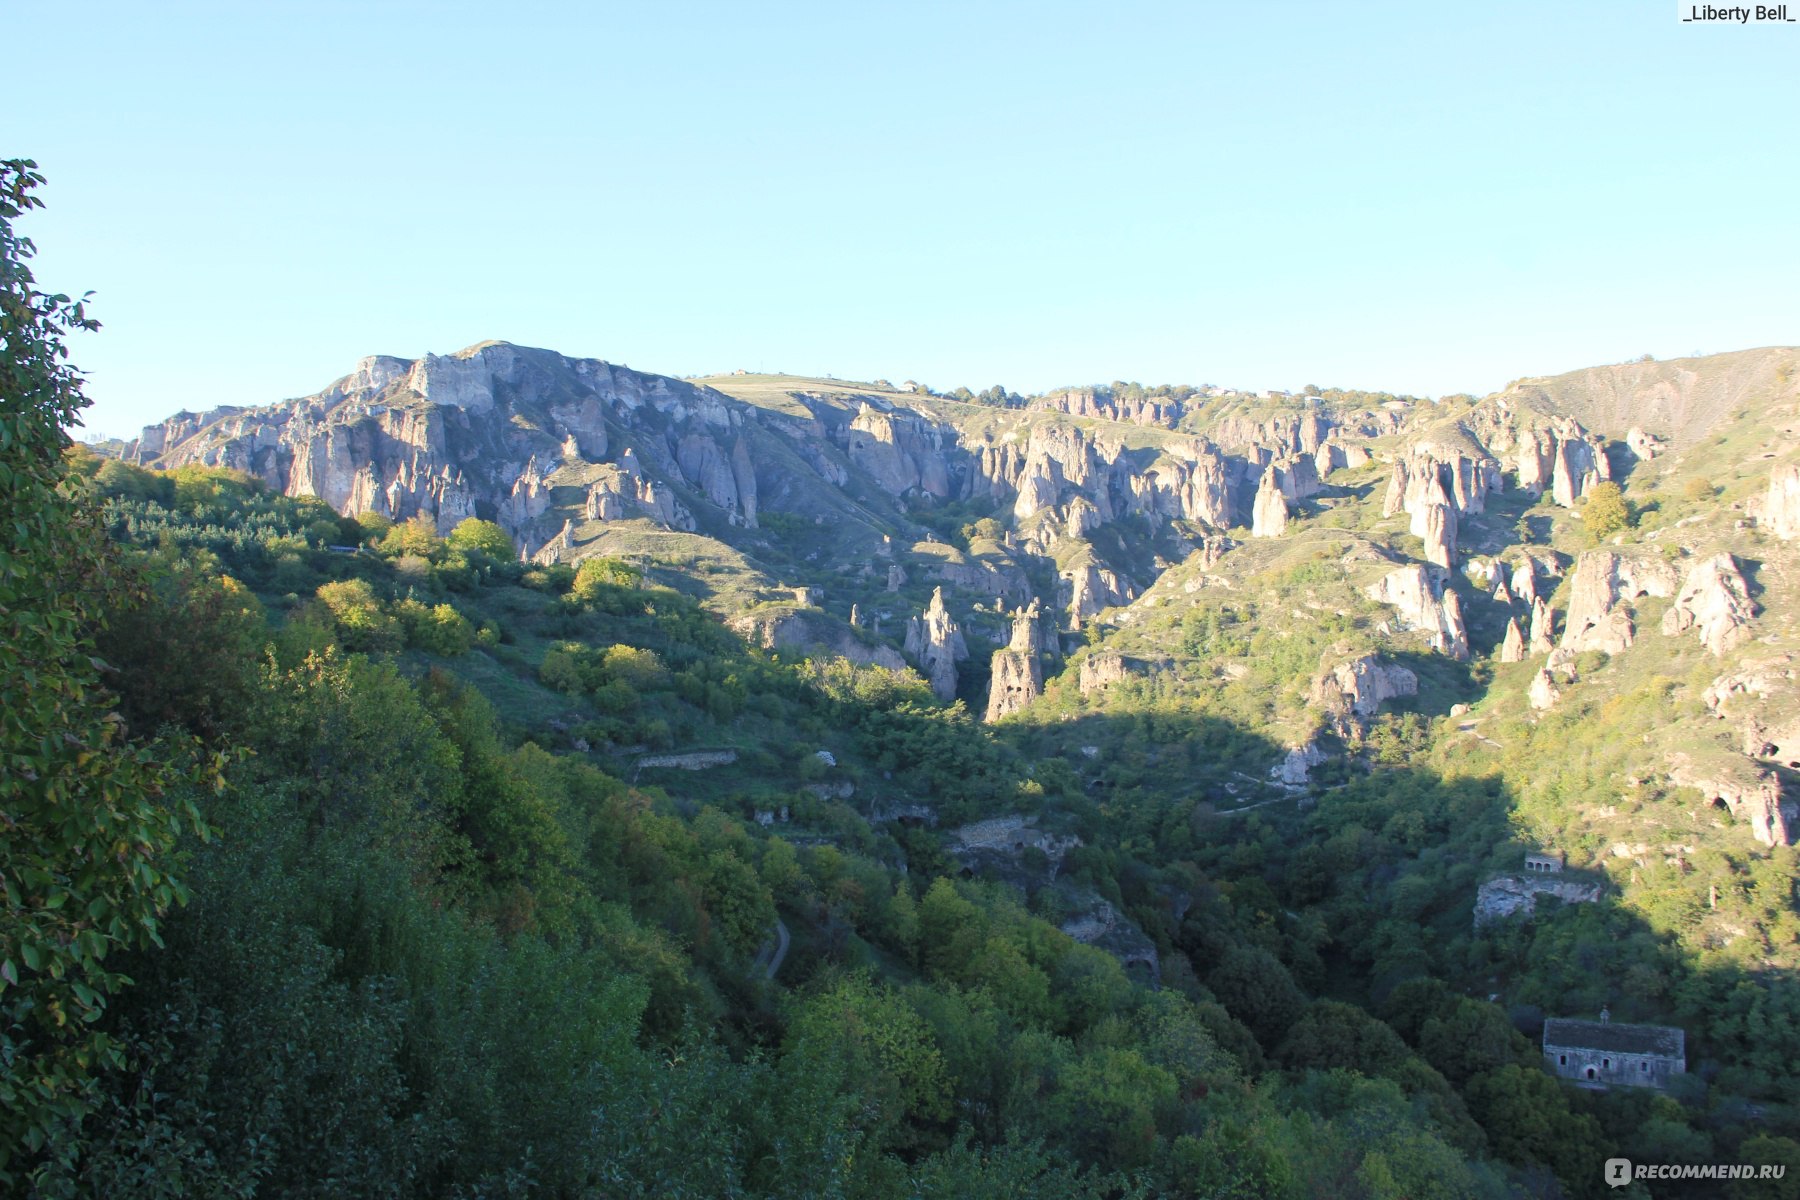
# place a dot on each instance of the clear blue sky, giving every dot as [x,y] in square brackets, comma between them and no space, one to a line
[1416,197]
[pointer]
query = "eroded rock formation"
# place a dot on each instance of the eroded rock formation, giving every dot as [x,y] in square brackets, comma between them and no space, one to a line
[936,643]
[1715,600]
[1422,603]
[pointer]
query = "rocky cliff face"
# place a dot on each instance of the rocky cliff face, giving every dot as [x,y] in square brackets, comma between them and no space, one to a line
[1078,505]
[487,432]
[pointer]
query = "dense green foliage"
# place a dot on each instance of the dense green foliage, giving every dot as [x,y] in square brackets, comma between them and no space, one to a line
[536,880]
[88,819]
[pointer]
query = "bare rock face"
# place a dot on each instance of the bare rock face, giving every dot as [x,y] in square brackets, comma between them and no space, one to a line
[1088,590]
[1512,648]
[901,452]
[1524,583]
[1645,445]
[1099,671]
[1752,681]
[1297,476]
[1604,583]
[1192,484]
[1715,599]
[1543,629]
[813,632]
[1750,793]
[1423,604]
[1437,529]
[479,432]
[1269,516]
[1781,507]
[1543,693]
[1353,691]
[1577,466]
[1513,895]
[530,499]
[606,496]
[1018,675]
[936,643]
[1292,770]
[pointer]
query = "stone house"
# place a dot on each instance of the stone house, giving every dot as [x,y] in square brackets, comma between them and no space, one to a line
[1544,863]
[1604,1053]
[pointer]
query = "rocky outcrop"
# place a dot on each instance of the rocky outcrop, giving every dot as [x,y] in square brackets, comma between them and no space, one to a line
[1422,603]
[1750,793]
[902,452]
[1018,674]
[1436,526]
[1604,583]
[1714,599]
[478,433]
[1543,629]
[1088,590]
[726,480]
[1292,771]
[1515,895]
[999,844]
[1543,693]
[1270,514]
[1645,446]
[1524,582]
[1576,467]
[606,495]
[1351,692]
[936,643]
[1781,506]
[1100,671]
[1512,646]
[814,633]
[1109,406]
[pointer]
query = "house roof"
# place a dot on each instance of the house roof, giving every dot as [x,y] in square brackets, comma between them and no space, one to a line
[1665,1040]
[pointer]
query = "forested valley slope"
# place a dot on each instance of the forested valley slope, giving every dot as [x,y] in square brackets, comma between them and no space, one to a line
[509,774]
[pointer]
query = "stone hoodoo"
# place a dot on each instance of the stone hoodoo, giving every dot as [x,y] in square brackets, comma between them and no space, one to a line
[936,643]
[1512,649]
[1018,675]
[1543,628]
[1269,516]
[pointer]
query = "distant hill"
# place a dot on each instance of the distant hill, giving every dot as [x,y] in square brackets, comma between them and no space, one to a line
[1681,399]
